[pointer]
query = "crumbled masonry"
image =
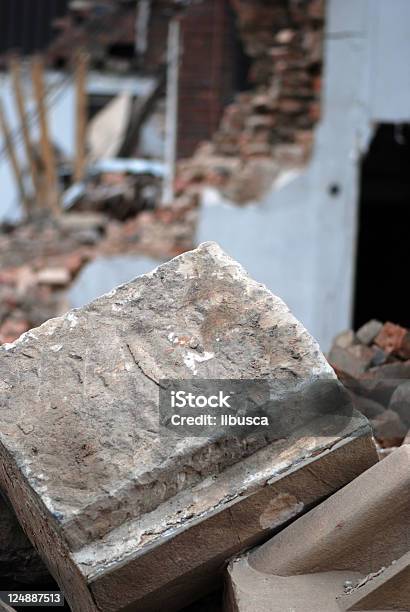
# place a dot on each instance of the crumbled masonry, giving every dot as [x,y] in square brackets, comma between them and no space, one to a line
[374,365]
[127,519]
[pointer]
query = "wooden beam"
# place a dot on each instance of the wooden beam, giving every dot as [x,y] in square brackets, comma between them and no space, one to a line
[15,69]
[81,69]
[171,111]
[11,152]
[47,152]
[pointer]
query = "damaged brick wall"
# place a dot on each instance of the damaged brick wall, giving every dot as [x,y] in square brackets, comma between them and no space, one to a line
[269,126]
[206,73]
[284,40]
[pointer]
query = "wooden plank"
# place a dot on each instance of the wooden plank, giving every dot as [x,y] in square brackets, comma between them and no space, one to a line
[171,112]
[8,141]
[47,151]
[15,69]
[81,69]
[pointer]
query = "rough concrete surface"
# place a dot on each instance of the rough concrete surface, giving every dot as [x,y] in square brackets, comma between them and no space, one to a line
[117,511]
[349,553]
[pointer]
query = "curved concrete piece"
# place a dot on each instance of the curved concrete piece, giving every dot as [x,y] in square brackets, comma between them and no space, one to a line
[349,553]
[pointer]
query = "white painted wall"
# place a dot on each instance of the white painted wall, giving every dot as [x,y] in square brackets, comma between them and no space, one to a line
[301,241]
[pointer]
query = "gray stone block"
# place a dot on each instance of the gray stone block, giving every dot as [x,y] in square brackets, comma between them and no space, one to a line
[125,518]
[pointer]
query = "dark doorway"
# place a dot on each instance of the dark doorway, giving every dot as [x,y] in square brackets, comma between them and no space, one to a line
[384,229]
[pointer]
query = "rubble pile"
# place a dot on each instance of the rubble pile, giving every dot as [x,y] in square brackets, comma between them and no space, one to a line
[374,364]
[119,195]
[99,26]
[40,258]
[269,128]
[285,43]
[128,514]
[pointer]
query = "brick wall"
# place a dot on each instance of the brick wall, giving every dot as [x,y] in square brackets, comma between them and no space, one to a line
[268,128]
[206,71]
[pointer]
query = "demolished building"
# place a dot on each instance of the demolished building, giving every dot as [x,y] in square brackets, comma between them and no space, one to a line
[98,498]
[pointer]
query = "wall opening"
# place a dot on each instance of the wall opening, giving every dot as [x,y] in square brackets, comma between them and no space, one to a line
[384,228]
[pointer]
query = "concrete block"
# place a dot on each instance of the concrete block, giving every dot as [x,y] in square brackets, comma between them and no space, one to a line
[368,332]
[130,518]
[336,555]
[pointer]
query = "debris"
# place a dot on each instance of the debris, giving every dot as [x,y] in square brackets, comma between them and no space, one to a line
[368,332]
[394,340]
[373,364]
[389,429]
[109,502]
[353,547]
[59,277]
[354,360]
[107,130]
[345,339]
[400,402]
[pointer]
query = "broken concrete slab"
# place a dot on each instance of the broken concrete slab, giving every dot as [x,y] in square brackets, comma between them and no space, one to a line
[334,550]
[126,518]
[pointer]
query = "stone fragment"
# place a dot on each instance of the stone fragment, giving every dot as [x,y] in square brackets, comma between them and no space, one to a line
[368,332]
[367,406]
[394,339]
[389,429]
[400,402]
[351,548]
[345,339]
[353,360]
[55,277]
[126,516]
[74,222]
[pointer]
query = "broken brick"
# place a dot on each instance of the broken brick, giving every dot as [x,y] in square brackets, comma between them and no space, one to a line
[394,339]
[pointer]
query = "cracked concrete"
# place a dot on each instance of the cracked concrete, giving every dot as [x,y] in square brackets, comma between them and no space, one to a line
[121,512]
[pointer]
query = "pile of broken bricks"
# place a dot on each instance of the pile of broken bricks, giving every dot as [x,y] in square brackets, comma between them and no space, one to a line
[40,258]
[374,364]
[128,517]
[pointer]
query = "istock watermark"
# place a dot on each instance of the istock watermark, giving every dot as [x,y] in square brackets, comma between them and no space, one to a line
[196,407]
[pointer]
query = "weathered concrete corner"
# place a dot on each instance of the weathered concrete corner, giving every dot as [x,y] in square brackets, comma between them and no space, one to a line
[105,499]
